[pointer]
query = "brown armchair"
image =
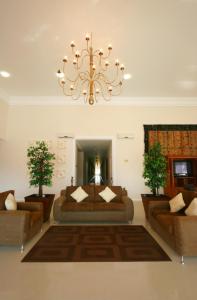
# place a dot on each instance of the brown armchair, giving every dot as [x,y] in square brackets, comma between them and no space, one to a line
[19,226]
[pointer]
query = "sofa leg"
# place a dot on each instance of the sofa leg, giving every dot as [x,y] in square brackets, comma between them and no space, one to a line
[22,249]
[182,260]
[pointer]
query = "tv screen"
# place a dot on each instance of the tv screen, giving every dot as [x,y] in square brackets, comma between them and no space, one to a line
[182,168]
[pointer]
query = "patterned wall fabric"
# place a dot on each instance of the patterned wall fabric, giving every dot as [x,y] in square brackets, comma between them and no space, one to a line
[179,141]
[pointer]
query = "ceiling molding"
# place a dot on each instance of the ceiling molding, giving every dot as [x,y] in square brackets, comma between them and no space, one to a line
[116,101]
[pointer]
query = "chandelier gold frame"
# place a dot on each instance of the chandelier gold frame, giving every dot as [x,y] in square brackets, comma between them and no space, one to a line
[93,75]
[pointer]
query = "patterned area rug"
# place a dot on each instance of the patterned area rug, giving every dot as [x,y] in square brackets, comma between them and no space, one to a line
[96,244]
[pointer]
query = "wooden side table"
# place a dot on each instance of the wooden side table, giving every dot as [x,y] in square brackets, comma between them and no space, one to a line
[146,198]
[47,202]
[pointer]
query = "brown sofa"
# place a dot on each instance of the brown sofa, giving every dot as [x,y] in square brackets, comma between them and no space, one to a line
[177,229]
[19,226]
[93,208]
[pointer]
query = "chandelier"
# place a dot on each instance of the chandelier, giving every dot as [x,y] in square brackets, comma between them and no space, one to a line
[90,74]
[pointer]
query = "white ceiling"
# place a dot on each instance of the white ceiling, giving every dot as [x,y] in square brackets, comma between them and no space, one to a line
[155,39]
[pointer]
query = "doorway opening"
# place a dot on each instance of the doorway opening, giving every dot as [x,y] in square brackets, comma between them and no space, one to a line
[93,161]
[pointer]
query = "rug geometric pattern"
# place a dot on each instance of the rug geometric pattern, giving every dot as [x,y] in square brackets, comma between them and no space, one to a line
[96,243]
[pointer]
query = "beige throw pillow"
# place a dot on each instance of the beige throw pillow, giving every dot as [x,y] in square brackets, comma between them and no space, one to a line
[107,194]
[177,203]
[192,208]
[79,194]
[10,202]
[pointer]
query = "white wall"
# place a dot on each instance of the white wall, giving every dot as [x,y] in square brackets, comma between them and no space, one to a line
[26,123]
[3,118]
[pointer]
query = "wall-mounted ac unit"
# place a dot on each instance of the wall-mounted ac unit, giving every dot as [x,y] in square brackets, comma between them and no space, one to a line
[125,136]
[64,135]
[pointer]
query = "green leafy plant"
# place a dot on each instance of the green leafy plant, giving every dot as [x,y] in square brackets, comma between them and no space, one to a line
[40,165]
[155,168]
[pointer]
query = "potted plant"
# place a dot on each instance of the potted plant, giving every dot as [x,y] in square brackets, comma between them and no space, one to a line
[41,167]
[155,174]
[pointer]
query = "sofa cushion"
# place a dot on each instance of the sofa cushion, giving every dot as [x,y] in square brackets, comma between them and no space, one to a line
[3,197]
[10,202]
[177,203]
[74,206]
[192,208]
[108,206]
[79,194]
[116,189]
[87,188]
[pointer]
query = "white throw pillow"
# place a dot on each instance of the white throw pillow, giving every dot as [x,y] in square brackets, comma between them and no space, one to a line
[192,208]
[177,203]
[79,194]
[107,194]
[10,202]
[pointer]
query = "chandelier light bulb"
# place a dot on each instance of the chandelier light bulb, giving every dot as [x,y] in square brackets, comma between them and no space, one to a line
[93,67]
[74,62]
[72,44]
[109,47]
[84,92]
[65,59]
[122,67]
[117,63]
[87,37]
[106,63]
[91,101]
[77,54]
[59,74]
[110,89]
[101,52]
[71,87]
[97,91]
[63,81]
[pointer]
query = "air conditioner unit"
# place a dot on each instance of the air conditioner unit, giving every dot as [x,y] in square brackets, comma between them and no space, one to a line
[63,135]
[125,136]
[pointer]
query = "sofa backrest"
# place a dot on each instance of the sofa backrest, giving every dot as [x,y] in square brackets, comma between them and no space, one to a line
[3,197]
[93,192]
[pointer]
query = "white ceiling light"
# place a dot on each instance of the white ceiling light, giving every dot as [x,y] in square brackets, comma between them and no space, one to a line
[127,76]
[4,74]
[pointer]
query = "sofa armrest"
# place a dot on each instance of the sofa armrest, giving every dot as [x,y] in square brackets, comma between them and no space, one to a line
[57,207]
[14,226]
[63,193]
[129,207]
[185,235]
[31,206]
[59,201]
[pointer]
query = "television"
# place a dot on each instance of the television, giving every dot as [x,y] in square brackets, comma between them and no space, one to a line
[183,168]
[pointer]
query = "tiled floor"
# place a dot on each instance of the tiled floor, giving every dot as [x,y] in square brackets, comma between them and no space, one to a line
[97,281]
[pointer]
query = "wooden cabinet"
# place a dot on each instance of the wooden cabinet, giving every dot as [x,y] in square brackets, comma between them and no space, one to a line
[147,198]
[177,182]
